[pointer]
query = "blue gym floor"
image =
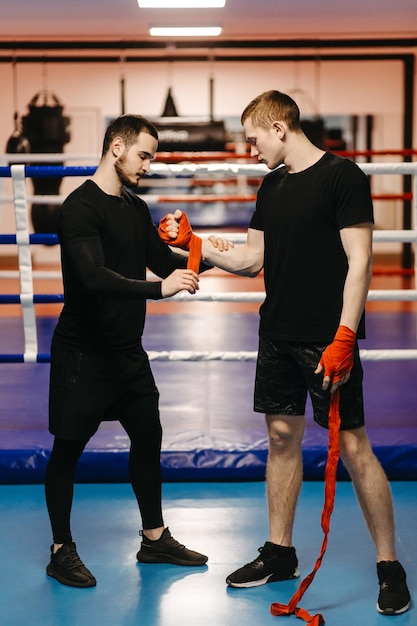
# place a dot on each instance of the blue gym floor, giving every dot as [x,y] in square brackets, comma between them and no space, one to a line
[226,521]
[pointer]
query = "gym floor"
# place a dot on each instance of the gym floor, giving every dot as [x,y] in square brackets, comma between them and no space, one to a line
[226,521]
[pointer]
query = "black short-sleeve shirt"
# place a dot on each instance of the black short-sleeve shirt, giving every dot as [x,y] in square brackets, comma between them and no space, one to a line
[305,265]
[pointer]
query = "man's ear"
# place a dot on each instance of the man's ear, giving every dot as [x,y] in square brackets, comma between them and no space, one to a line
[280,128]
[117,146]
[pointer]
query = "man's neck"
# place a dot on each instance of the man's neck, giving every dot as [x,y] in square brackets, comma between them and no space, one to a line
[107,179]
[302,155]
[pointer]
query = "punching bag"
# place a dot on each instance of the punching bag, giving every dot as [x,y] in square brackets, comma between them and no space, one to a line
[17,143]
[180,133]
[47,131]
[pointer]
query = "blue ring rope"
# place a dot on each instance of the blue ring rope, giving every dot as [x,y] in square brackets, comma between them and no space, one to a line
[46,171]
[42,171]
[34,238]
[19,358]
[38,298]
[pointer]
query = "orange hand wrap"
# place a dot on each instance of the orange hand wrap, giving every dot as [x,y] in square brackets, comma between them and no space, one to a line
[337,359]
[185,239]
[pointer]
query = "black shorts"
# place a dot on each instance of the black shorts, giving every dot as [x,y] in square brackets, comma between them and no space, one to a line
[285,375]
[86,389]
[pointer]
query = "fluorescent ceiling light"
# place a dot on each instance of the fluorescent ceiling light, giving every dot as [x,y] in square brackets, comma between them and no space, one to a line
[189,31]
[181,4]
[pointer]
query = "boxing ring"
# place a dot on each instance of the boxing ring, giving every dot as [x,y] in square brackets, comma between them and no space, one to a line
[210,430]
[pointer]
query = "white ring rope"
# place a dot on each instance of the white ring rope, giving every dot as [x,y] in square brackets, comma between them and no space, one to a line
[27,275]
[184,355]
[209,169]
[189,169]
[405,295]
[378,236]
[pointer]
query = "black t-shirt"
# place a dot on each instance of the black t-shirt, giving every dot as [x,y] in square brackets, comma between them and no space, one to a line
[305,265]
[107,242]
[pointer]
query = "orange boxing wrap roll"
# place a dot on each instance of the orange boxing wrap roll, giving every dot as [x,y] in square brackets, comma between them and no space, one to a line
[185,239]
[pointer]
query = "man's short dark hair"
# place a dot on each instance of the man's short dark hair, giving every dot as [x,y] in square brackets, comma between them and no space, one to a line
[128,128]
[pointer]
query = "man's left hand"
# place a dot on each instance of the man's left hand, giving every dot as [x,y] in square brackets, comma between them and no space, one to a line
[173,223]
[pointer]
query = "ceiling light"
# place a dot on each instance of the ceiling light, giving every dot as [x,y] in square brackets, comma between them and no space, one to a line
[181,4]
[189,31]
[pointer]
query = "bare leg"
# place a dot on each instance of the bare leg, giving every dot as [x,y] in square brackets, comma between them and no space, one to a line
[284,474]
[372,489]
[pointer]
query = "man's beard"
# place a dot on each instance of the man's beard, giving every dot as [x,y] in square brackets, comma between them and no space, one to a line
[124,178]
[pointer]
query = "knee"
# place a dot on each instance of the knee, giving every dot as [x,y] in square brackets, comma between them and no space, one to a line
[355,450]
[284,434]
[65,455]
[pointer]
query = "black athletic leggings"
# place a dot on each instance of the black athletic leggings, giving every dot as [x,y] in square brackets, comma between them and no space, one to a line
[144,471]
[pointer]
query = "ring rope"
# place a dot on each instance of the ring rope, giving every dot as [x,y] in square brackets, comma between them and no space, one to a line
[378,236]
[200,156]
[190,198]
[34,238]
[37,298]
[406,295]
[176,356]
[190,169]
[183,355]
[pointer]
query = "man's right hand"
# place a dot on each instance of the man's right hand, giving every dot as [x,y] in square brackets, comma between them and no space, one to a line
[222,245]
[179,280]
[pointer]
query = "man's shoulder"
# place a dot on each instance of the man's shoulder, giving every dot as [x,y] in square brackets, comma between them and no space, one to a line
[338,161]
[85,191]
[272,178]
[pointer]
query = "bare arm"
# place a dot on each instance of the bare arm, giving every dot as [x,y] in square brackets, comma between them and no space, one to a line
[337,359]
[244,259]
[357,243]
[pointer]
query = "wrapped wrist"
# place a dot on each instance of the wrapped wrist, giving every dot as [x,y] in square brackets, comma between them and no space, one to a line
[345,334]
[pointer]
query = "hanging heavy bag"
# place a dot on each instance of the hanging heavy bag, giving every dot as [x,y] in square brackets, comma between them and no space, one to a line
[47,130]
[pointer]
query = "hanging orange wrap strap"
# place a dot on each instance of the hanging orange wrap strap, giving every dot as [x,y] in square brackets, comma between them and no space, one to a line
[185,239]
[329,490]
[337,361]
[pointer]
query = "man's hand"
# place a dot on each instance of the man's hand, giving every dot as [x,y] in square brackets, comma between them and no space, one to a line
[172,228]
[222,245]
[179,280]
[172,223]
[337,359]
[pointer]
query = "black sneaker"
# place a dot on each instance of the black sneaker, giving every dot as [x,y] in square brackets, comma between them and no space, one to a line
[166,549]
[67,567]
[394,597]
[274,563]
